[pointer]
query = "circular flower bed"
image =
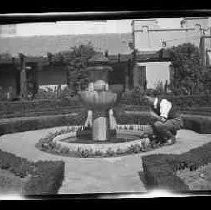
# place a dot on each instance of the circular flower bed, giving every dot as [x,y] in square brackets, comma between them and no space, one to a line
[55,143]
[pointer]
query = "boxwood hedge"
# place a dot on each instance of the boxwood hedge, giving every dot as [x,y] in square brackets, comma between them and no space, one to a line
[45,176]
[160,169]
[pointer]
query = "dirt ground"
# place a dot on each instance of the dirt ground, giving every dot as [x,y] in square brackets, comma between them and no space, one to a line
[197,180]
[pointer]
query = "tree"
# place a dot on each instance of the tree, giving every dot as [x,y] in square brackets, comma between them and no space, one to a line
[188,74]
[76,61]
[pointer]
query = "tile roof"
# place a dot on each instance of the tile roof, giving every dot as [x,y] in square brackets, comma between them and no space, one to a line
[40,45]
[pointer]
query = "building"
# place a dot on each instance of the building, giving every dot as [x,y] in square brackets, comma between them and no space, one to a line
[144,67]
[149,39]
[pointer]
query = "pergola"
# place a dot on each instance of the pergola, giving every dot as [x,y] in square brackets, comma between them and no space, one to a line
[23,65]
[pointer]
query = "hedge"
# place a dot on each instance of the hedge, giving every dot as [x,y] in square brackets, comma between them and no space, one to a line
[183,102]
[129,101]
[38,107]
[35,123]
[200,124]
[45,176]
[160,169]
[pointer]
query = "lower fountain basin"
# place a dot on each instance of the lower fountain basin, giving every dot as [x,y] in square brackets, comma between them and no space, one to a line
[122,142]
[129,139]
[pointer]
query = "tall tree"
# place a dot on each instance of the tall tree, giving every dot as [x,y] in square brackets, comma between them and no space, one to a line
[188,74]
[76,61]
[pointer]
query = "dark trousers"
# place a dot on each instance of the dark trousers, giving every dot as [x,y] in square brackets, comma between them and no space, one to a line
[168,129]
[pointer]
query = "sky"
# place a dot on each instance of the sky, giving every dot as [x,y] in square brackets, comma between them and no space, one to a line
[85,27]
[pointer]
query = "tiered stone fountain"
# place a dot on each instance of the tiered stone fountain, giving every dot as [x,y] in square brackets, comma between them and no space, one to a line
[99,100]
[100,136]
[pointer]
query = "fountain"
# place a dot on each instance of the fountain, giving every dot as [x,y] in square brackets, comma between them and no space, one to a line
[99,100]
[100,135]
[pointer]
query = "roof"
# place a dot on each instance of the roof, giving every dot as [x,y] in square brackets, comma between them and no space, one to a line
[40,45]
[43,61]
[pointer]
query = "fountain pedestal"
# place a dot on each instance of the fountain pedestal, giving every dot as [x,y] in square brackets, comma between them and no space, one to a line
[100,127]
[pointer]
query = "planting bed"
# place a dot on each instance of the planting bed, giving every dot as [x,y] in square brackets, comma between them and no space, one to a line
[30,178]
[65,143]
[199,179]
[160,171]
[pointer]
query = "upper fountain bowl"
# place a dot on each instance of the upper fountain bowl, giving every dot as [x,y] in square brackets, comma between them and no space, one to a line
[98,99]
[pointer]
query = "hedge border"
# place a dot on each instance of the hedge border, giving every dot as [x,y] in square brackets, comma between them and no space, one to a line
[35,123]
[49,106]
[200,124]
[160,169]
[45,176]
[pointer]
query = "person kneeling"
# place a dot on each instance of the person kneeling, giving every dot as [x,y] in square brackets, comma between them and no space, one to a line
[168,120]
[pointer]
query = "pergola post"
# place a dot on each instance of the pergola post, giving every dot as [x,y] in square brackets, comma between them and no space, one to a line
[23,87]
[127,77]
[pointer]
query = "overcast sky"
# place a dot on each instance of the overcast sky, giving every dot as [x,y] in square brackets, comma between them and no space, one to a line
[86,27]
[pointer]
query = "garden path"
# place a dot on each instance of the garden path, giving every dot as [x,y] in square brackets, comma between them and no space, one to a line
[97,175]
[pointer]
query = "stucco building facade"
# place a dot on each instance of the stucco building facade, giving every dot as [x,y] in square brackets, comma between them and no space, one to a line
[149,38]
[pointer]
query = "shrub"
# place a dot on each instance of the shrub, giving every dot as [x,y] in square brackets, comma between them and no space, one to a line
[136,148]
[46,94]
[47,180]
[110,152]
[84,153]
[35,123]
[160,170]
[46,176]
[64,150]
[98,153]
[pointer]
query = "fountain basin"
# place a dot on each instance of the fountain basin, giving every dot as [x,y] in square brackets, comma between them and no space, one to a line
[70,142]
[65,142]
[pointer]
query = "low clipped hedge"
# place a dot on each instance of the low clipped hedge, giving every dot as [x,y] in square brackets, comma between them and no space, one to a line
[38,107]
[182,102]
[133,118]
[35,123]
[160,169]
[128,100]
[200,124]
[45,176]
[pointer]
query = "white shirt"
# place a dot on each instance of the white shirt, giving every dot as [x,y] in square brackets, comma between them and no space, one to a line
[165,107]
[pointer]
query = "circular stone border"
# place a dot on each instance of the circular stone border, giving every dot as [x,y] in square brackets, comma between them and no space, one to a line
[53,144]
[101,147]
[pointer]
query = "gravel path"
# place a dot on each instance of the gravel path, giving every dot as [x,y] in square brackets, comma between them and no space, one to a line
[99,175]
